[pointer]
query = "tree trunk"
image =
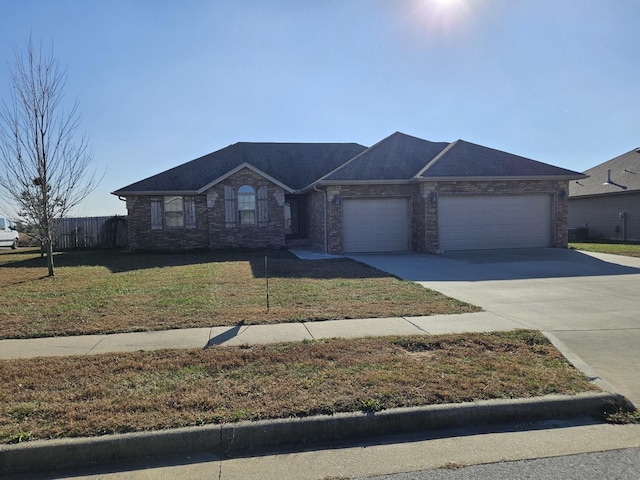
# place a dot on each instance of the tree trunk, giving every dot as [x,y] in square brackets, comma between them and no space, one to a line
[50,257]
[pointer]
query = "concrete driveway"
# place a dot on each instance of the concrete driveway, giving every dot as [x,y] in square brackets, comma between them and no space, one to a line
[590,302]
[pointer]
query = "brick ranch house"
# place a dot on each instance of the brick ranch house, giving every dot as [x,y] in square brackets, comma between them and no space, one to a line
[402,194]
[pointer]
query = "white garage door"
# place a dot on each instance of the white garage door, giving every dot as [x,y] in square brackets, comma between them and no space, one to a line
[485,222]
[375,225]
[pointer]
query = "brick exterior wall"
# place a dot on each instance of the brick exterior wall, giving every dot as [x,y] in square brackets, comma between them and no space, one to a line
[142,237]
[211,231]
[313,217]
[249,236]
[428,193]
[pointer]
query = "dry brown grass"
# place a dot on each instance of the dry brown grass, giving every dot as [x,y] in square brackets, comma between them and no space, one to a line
[113,393]
[106,292]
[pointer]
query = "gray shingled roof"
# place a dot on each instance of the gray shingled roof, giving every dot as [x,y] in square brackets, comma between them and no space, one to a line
[397,157]
[464,159]
[294,164]
[624,177]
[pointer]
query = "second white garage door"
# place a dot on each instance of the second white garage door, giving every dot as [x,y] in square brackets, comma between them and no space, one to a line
[375,225]
[486,222]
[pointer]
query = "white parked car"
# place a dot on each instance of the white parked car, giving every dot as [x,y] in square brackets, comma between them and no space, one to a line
[9,236]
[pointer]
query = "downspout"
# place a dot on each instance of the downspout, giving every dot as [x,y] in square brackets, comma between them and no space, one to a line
[324,218]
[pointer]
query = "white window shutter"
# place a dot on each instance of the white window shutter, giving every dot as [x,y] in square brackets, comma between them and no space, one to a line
[263,207]
[230,209]
[190,212]
[156,214]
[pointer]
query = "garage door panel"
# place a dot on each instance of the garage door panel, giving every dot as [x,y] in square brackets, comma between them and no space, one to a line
[375,225]
[485,222]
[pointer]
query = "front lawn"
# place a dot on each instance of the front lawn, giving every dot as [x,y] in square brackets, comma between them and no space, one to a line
[105,291]
[92,395]
[630,249]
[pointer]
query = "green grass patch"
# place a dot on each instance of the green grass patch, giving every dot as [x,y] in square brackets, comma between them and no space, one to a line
[93,395]
[629,249]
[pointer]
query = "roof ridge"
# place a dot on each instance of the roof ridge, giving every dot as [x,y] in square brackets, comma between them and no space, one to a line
[368,149]
[435,159]
[290,143]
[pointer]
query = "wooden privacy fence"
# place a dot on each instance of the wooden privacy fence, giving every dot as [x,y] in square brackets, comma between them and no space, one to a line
[92,232]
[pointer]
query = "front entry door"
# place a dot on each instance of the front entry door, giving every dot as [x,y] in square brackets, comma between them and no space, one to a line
[292,216]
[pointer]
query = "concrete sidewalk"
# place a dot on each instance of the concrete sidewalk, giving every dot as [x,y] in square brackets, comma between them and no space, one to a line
[283,332]
[253,334]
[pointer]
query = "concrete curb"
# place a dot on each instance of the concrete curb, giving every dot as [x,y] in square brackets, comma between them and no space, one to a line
[243,438]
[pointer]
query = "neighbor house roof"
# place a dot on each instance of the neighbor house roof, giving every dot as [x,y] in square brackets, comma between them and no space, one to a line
[295,165]
[618,175]
[398,158]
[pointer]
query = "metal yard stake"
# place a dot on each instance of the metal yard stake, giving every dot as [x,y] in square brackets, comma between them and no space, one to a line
[266,277]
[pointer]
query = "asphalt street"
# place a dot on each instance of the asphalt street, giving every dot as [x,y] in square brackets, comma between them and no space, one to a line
[613,465]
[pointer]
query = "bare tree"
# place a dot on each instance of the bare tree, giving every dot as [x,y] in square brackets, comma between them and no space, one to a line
[44,164]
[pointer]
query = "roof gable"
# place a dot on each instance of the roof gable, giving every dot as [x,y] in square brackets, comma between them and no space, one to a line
[618,175]
[397,157]
[467,160]
[236,170]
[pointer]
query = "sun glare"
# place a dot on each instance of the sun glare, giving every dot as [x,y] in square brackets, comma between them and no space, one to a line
[450,7]
[444,14]
[448,3]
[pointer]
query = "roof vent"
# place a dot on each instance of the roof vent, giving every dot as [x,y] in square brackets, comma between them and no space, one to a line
[608,182]
[638,150]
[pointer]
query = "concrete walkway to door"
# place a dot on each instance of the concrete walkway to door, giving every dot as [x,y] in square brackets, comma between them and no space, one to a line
[588,302]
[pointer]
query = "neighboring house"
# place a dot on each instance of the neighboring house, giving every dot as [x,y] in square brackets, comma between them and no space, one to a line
[402,194]
[608,202]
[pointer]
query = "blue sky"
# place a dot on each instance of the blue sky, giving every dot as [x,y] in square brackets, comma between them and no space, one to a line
[162,82]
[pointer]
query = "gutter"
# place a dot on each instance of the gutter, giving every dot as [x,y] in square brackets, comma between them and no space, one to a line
[125,193]
[417,178]
[473,178]
[603,194]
